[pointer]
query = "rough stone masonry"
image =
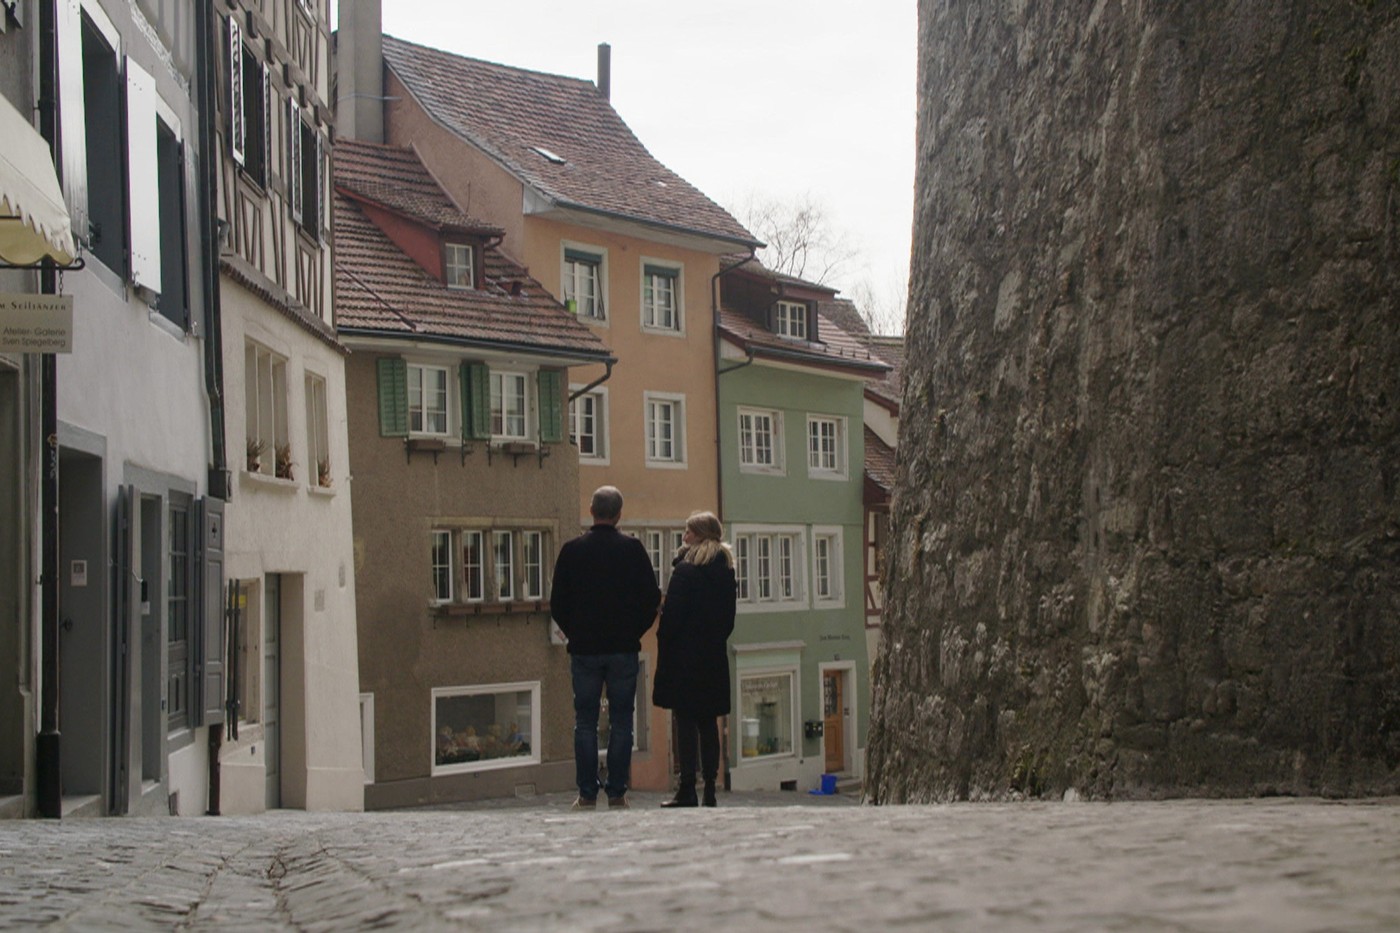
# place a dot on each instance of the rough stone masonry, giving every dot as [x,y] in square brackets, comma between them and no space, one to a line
[1147,527]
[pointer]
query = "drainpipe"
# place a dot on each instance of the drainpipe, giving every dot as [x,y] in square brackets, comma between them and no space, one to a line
[48,745]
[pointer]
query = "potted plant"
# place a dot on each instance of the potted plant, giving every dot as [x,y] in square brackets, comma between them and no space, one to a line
[323,472]
[284,463]
[255,452]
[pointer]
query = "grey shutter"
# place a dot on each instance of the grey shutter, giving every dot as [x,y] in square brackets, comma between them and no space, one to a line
[393,397]
[126,593]
[210,677]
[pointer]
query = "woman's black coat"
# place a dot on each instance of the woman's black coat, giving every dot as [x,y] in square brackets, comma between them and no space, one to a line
[692,663]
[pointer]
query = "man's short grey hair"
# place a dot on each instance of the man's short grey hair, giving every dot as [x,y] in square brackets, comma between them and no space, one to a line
[607,503]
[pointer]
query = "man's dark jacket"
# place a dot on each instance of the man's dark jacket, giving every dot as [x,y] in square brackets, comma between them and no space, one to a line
[604,595]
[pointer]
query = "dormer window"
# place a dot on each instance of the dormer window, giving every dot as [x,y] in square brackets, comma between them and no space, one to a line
[458,263]
[790,320]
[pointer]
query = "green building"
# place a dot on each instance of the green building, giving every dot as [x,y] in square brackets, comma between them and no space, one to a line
[791,403]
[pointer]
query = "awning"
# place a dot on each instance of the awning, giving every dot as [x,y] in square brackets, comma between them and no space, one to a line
[34,220]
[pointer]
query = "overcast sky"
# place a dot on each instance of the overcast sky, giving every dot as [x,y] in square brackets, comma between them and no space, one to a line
[778,97]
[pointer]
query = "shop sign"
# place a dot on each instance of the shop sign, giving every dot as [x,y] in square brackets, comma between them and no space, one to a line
[36,323]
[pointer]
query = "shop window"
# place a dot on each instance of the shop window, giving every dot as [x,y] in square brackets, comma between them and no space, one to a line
[477,728]
[765,714]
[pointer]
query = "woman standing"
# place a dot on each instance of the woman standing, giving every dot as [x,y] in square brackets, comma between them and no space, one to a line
[692,665]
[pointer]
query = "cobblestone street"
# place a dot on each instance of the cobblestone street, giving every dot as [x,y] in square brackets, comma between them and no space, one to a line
[760,861]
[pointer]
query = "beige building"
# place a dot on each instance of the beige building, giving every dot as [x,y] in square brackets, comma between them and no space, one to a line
[626,244]
[295,738]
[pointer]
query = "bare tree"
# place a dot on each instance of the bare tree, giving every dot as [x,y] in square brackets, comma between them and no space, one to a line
[881,302]
[802,239]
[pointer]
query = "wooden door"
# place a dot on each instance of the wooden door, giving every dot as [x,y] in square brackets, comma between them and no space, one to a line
[834,713]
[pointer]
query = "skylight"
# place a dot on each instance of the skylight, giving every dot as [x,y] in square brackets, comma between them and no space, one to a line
[552,157]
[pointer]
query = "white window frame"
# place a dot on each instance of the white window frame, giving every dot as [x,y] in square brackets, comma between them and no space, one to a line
[743,572]
[503,575]
[790,319]
[367,736]
[456,259]
[834,538]
[761,550]
[568,281]
[443,541]
[499,379]
[601,443]
[317,427]
[650,441]
[840,469]
[473,573]
[516,761]
[536,567]
[257,386]
[661,543]
[423,410]
[749,435]
[794,702]
[650,308]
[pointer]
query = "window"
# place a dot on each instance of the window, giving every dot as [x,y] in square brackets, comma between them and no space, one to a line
[250,99]
[170,171]
[442,567]
[508,406]
[474,566]
[665,425]
[827,567]
[765,711]
[661,308]
[265,379]
[741,566]
[458,262]
[662,545]
[826,447]
[318,455]
[532,564]
[367,736]
[503,549]
[179,681]
[106,186]
[790,319]
[583,283]
[304,171]
[516,567]
[482,727]
[760,441]
[427,399]
[769,569]
[588,426]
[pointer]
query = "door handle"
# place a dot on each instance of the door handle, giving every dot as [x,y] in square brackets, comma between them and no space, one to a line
[67,623]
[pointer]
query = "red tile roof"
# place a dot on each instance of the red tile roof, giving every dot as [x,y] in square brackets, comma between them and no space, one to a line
[379,289]
[598,164]
[834,349]
[891,350]
[397,179]
[879,461]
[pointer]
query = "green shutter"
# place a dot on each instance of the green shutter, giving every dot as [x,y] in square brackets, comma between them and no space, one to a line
[551,409]
[393,397]
[664,271]
[476,401]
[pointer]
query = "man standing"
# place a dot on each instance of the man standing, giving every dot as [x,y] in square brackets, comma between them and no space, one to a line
[604,598]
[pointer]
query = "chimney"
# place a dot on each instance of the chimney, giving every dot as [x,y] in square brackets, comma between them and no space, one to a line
[605,70]
[359,64]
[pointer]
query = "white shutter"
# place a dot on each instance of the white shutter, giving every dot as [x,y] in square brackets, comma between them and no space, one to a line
[143,176]
[237,124]
[72,131]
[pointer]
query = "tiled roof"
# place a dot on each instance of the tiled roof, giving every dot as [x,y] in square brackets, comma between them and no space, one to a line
[834,348]
[396,179]
[879,461]
[891,350]
[598,164]
[734,262]
[844,314]
[378,288]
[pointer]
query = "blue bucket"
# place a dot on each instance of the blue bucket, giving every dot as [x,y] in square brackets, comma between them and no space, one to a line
[828,784]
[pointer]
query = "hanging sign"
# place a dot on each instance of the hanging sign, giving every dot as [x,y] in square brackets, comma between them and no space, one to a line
[36,323]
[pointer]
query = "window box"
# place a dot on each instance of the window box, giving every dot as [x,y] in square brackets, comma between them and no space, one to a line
[467,610]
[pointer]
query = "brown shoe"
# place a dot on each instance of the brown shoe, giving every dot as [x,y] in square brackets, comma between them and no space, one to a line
[583,803]
[618,803]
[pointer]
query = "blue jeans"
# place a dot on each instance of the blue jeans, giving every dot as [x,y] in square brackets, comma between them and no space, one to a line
[591,672]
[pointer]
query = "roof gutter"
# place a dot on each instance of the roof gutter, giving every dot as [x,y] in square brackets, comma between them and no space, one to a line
[596,382]
[505,346]
[715,341]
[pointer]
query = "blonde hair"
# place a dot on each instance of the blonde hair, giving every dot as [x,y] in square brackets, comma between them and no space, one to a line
[706,527]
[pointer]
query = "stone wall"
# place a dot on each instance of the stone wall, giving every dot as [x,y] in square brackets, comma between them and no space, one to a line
[1147,521]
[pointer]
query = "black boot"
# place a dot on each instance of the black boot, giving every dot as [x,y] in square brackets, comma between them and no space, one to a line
[685,796]
[709,799]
